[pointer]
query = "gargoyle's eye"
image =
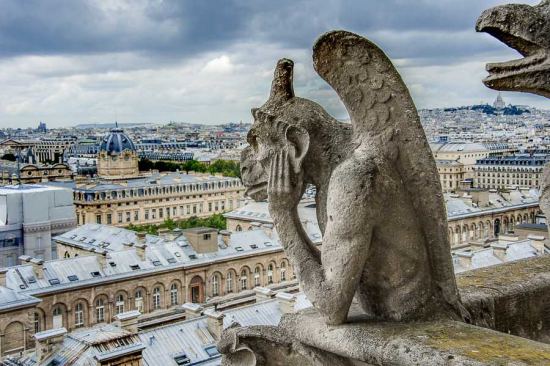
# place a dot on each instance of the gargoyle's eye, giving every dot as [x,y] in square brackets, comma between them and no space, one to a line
[252,139]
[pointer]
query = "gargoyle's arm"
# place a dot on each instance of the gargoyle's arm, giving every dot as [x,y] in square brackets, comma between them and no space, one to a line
[330,284]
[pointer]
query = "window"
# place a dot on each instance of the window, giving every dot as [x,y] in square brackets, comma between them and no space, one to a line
[120,217]
[156,298]
[182,359]
[136,215]
[128,215]
[283,271]
[229,282]
[100,310]
[119,305]
[98,219]
[146,214]
[174,294]
[211,351]
[215,285]
[36,322]
[161,212]
[206,236]
[79,315]
[139,301]
[109,219]
[270,273]
[244,281]
[257,276]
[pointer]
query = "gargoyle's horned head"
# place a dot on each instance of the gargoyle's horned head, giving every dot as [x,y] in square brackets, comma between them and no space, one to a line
[526,29]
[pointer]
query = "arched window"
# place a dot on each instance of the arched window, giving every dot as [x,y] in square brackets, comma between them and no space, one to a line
[174,294]
[257,272]
[229,282]
[66,255]
[244,280]
[156,298]
[138,299]
[37,325]
[215,285]
[283,271]
[57,317]
[99,310]
[238,228]
[119,304]
[79,315]
[270,273]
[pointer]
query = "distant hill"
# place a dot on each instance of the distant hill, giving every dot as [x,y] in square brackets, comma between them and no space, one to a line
[83,126]
[509,110]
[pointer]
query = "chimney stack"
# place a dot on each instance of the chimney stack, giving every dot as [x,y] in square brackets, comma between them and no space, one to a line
[214,322]
[3,273]
[499,250]
[47,342]
[141,236]
[226,236]
[192,310]
[465,259]
[37,265]
[286,302]
[129,320]
[537,242]
[140,250]
[263,294]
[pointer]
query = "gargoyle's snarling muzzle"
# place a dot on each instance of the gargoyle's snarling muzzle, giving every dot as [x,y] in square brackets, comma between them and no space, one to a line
[527,30]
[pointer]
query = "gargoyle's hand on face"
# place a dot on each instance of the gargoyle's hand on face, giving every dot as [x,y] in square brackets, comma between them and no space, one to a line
[285,185]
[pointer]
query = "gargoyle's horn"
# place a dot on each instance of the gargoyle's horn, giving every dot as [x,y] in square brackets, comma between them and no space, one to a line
[281,87]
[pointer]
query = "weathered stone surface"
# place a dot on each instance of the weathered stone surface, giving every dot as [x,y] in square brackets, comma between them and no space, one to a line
[510,298]
[526,29]
[379,197]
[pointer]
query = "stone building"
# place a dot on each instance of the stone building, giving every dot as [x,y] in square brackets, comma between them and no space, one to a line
[52,149]
[155,198]
[14,173]
[451,174]
[468,153]
[117,157]
[505,172]
[29,216]
[105,271]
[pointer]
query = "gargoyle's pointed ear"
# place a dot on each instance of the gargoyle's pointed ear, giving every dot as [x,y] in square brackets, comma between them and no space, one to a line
[253,111]
[281,87]
[299,141]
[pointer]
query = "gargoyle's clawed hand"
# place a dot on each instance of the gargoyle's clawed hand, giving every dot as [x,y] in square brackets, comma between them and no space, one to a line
[285,187]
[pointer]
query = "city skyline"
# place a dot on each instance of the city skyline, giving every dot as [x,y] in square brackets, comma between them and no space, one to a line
[198,62]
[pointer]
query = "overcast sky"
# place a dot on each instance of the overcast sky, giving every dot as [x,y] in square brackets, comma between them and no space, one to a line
[69,62]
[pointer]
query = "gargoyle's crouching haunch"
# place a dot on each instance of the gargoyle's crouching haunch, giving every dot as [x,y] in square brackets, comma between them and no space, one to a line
[379,200]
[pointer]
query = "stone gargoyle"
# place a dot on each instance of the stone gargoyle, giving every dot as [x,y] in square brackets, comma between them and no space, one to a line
[379,198]
[526,29]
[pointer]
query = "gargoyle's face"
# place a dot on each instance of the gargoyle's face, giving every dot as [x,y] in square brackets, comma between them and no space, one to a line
[267,138]
[526,29]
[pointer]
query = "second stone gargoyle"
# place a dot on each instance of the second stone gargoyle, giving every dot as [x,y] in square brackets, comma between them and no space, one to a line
[379,200]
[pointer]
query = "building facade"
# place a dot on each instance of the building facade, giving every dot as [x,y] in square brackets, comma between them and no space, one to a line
[156,198]
[117,157]
[509,172]
[29,216]
[451,174]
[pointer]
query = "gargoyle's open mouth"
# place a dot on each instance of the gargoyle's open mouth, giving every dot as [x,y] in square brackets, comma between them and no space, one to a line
[257,191]
[533,55]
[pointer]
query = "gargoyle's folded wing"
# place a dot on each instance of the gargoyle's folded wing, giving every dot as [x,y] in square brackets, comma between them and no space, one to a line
[382,112]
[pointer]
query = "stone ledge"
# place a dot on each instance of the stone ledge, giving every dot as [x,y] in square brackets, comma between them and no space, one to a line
[511,297]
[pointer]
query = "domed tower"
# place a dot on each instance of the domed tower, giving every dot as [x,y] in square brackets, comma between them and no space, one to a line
[117,157]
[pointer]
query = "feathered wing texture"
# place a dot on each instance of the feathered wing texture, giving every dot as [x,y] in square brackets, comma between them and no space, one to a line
[545,192]
[379,104]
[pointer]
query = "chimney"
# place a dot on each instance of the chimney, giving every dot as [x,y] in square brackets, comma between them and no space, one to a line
[141,236]
[226,236]
[214,322]
[140,250]
[47,342]
[465,259]
[263,293]
[3,273]
[499,250]
[37,267]
[192,310]
[537,242]
[286,302]
[129,320]
[268,229]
